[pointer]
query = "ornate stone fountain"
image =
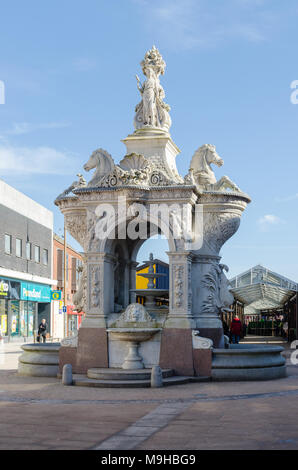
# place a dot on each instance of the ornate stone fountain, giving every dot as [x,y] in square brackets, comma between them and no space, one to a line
[134,326]
[105,216]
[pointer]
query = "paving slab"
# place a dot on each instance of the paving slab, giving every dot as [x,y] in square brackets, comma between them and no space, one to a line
[41,413]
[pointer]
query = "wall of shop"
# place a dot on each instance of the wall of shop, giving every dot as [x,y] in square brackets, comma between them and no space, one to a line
[22,228]
[22,306]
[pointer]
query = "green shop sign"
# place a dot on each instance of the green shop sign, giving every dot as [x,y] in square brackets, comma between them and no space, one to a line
[35,292]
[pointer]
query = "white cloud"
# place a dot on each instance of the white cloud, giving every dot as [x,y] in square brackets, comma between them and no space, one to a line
[268,220]
[186,24]
[293,197]
[20,128]
[39,160]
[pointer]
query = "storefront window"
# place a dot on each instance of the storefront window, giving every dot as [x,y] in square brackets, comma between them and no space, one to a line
[3,317]
[31,314]
[72,323]
[23,318]
[14,317]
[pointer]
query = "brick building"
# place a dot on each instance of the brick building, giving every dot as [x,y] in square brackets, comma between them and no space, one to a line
[64,325]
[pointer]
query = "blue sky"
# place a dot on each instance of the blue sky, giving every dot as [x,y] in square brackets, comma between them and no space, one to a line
[69,73]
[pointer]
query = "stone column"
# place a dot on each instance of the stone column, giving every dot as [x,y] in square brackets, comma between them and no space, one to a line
[177,333]
[180,294]
[132,280]
[205,288]
[92,338]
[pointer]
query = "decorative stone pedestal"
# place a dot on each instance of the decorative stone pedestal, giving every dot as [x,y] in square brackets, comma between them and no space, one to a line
[92,349]
[176,349]
[133,360]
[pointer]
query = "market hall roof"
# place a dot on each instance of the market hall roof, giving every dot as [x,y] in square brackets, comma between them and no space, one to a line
[260,288]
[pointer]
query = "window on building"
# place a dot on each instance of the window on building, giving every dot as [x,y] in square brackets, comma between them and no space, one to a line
[8,243]
[18,247]
[28,250]
[74,274]
[45,257]
[60,267]
[37,254]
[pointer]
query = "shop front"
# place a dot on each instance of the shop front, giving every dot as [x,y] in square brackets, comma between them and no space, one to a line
[21,305]
[9,305]
[74,320]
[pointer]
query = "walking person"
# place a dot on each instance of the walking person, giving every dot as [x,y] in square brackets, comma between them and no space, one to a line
[236,329]
[42,330]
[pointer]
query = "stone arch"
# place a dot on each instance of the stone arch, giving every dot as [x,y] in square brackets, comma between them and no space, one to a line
[106,244]
[122,254]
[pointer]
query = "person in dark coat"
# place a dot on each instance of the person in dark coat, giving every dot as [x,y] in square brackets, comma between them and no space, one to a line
[42,330]
[236,329]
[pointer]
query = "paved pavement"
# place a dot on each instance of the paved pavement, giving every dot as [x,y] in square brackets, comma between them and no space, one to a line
[40,413]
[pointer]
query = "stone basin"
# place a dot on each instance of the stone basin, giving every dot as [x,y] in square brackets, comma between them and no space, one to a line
[39,360]
[137,335]
[134,336]
[248,362]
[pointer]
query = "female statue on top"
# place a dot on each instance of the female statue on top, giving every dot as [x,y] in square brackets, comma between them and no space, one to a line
[152,111]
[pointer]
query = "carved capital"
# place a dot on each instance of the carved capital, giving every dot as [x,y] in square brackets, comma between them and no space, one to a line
[75,224]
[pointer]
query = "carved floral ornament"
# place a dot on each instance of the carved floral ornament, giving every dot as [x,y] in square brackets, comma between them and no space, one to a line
[178,272]
[94,283]
[218,298]
[80,297]
[76,225]
[218,228]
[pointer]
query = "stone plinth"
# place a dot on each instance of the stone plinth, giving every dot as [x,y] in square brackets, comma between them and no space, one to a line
[39,360]
[158,147]
[176,349]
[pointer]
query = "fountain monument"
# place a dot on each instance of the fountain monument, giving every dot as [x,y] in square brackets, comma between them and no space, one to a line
[108,217]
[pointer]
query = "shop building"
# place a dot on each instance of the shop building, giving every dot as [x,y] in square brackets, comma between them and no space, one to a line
[26,247]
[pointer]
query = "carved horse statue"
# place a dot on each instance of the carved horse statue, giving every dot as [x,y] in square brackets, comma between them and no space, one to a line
[202,172]
[103,163]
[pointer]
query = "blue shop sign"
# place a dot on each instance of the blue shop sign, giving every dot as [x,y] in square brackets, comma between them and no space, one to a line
[35,292]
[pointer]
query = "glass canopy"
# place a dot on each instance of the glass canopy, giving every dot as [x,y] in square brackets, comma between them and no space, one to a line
[262,289]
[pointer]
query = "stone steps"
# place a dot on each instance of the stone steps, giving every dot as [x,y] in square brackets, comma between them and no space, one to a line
[124,374]
[119,378]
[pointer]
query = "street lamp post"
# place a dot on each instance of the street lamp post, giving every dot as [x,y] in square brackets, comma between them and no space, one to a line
[64,286]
